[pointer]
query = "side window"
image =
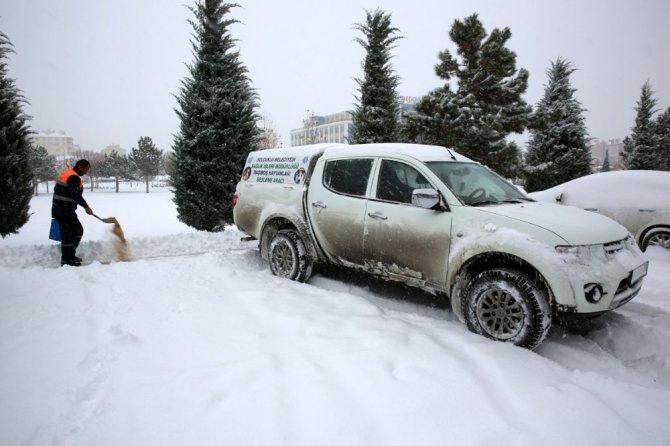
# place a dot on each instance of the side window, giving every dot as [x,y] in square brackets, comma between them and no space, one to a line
[348,176]
[397,181]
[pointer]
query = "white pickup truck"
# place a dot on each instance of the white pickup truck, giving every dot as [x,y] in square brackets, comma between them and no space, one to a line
[432,218]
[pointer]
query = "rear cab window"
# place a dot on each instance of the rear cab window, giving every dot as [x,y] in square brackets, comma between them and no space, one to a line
[348,176]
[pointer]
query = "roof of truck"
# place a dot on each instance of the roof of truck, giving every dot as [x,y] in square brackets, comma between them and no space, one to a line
[419,151]
[308,150]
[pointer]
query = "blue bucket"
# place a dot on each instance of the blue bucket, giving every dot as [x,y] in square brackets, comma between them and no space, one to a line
[54,231]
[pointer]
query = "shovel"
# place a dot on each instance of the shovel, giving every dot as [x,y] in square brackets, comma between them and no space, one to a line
[106,220]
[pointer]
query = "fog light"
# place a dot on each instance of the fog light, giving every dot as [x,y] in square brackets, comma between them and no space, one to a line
[593,292]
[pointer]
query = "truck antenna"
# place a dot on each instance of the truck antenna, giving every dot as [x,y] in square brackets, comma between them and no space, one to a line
[452,155]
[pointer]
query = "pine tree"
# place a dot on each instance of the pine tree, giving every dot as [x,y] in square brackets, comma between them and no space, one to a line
[116,166]
[376,114]
[146,159]
[663,139]
[606,162]
[16,178]
[43,166]
[218,122]
[486,105]
[641,146]
[557,148]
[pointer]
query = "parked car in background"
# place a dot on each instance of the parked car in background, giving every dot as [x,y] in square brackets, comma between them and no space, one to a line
[637,199]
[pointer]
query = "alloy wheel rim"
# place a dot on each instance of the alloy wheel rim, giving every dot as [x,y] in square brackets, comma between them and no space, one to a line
[283,259]
[662,240]
[499,314]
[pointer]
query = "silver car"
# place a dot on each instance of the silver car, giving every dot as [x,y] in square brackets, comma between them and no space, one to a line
[637,199]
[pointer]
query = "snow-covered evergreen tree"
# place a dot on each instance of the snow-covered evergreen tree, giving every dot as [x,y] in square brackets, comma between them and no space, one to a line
[115,166]
[486,105]
[376,114]
[146,159]
[218,122]
[641,146]
[557,148]
[16,178]
[663,139]
[606,162]
[43,166]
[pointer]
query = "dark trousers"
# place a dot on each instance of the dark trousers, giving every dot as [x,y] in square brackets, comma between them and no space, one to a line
[71,232]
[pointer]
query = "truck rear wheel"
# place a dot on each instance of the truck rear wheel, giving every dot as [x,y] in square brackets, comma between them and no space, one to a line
[506,305]
[288,257]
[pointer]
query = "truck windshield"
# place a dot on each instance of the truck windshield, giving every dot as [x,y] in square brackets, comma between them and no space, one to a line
[476,185]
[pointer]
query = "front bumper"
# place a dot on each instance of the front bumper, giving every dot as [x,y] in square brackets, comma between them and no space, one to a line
[619,273]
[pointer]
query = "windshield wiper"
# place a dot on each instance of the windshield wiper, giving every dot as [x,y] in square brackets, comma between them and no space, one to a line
[517,200]
[484,202]
[509,200]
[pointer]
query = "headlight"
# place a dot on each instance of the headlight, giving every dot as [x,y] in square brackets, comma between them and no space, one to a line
[629,241]
[583,252]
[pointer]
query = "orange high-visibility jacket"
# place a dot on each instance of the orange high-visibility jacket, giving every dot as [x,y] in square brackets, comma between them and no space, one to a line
[67,196]
[67,173]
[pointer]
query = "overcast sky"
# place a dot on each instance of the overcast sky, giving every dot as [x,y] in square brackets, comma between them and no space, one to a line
[106,71]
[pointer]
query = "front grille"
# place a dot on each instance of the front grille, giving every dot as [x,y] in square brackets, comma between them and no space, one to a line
[623,285]
[625,292]
[614,247]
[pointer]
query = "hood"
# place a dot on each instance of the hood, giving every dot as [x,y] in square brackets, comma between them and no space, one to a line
[574,225]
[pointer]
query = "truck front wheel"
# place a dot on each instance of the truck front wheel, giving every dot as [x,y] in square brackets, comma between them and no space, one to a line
[288,256]
[507,305]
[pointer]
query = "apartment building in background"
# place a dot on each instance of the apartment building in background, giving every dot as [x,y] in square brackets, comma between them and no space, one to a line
[329,128]
[57,143]
[338,127]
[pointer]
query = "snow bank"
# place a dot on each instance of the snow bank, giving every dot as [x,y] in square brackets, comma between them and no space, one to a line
[195,342]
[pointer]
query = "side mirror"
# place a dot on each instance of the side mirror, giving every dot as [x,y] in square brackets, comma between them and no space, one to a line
[426,198]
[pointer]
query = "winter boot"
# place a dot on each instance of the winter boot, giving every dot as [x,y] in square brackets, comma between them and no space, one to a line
[71,262]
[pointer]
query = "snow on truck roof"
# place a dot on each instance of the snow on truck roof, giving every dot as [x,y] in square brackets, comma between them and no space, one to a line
[419,151]
[296,151]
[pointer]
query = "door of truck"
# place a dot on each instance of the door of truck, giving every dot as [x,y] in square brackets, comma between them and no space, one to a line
[336,203]
[401,238]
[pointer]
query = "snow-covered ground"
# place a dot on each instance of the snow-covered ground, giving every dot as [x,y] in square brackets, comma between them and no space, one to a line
[194,342]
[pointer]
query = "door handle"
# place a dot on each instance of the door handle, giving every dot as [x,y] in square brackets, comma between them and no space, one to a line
[377,215]
[319,204]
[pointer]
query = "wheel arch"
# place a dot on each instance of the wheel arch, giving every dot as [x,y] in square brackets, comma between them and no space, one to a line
[489,260]
[643,233]
[276,223]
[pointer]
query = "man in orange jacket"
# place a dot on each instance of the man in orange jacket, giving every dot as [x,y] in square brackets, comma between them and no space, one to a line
[67,195]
